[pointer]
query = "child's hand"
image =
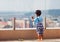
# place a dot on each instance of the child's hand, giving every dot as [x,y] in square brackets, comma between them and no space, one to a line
[32,18]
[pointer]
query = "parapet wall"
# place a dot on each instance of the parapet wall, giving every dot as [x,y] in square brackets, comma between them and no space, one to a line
[27,34]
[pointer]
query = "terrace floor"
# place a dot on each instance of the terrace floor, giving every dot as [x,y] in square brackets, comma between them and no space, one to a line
[44,40]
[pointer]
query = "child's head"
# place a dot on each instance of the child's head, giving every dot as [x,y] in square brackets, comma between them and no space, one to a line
[38,13]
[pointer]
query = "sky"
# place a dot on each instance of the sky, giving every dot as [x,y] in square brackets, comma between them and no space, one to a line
[28,5]
[52,4]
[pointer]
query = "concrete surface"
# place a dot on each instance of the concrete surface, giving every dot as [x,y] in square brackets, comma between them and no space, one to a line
[44,40]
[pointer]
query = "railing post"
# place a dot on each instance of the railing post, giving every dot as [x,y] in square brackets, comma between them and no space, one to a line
[14,22]
[45,22]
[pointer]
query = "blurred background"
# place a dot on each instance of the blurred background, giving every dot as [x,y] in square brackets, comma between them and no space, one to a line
[22,10]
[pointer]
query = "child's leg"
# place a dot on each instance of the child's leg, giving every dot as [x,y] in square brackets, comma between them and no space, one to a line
[40,37]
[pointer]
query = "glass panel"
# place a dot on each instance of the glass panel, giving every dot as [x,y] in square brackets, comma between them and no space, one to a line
[52,22]
[52,14]
[24,21]
[28,7]
[5,23]
[22,10]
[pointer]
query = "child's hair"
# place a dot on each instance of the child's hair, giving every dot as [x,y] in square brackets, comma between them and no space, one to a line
[38,12]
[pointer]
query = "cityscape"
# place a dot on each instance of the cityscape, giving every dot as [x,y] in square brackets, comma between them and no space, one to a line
[23,19]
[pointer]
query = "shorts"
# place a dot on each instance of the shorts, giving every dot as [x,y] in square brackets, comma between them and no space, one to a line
[39,28]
